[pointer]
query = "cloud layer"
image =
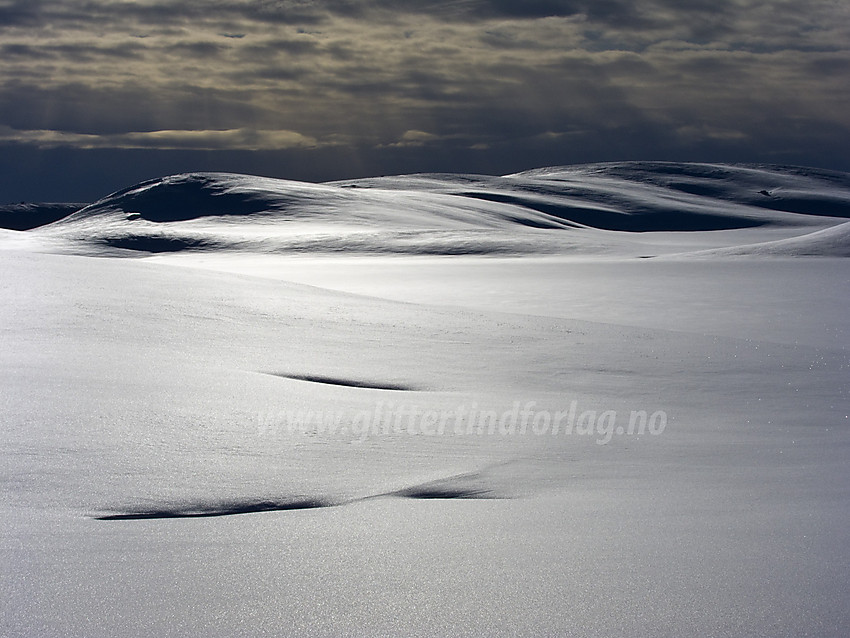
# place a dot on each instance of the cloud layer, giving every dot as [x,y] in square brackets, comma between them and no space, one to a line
[570,79]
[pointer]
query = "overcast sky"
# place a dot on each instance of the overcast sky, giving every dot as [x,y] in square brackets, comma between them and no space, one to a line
[96,95]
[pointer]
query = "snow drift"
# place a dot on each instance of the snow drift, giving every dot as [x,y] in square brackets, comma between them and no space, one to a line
[828,242]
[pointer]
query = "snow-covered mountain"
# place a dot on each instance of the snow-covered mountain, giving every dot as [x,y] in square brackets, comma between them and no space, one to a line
[26,216]
[539,211]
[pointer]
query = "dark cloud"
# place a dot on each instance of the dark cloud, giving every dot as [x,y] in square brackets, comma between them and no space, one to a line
[701,18]
[327,89]
[203,49]
[20,13]
[831,66]
[615,12]
[629,14]
[25,51]
[270,49]
[85,14]
[79,53]
[79,108]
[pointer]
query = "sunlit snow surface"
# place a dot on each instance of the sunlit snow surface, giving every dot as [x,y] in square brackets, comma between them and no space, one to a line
[159,347]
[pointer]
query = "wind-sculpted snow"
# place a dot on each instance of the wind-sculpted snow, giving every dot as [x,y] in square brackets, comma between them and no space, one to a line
[208,510]
[347,382]
[587,209]
[829,242]
[461,486]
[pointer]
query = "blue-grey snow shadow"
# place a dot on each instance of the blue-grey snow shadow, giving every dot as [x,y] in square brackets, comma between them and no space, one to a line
[435,491]
[207,510]
[462,486]
[347,382]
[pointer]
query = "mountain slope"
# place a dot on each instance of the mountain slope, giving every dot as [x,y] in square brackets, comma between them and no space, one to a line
[576,209]
[26,216]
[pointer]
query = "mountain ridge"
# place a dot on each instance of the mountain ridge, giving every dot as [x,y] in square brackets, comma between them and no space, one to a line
[546,210]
